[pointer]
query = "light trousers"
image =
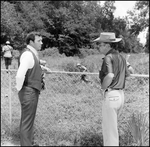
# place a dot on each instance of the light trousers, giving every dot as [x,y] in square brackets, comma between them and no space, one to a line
[111,108]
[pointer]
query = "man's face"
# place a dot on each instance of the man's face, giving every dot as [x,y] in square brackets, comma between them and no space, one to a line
[37,43]
[103,48]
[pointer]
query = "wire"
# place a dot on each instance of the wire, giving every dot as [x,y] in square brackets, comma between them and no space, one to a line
[87,73]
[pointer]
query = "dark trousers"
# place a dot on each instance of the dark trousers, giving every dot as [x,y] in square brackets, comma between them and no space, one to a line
[28,99]
[7,62]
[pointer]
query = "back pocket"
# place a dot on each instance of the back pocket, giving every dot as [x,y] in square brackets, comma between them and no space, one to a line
[113,99]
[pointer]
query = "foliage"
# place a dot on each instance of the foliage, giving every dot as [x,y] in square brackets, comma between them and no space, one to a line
[84,52]
[69,25]
[139,16]
[10,21]
[138,125]
[147,42]
[53,52]
[69,64]
[140,19]
[89,138]
[67,45]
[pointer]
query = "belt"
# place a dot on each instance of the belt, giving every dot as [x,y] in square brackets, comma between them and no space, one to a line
[109,89]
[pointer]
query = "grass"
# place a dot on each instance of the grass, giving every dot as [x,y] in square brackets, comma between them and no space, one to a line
[69,111]
[139,128]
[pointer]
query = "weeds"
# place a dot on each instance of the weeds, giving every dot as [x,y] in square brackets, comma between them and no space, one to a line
[69,112]
[138,125]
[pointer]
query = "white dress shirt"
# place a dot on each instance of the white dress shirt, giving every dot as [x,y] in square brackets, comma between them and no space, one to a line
[7,49]
[26,62]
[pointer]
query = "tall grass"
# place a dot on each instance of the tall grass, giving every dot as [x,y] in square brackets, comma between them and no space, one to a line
[139,128]
[69,111]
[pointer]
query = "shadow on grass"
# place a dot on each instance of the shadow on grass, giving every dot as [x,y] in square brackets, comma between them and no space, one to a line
[89,139]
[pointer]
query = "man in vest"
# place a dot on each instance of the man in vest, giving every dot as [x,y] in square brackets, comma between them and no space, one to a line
[7,54]
[29,85]
[112,76]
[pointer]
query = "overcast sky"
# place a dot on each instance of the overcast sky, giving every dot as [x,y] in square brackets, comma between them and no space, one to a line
[122,7]
[121,10]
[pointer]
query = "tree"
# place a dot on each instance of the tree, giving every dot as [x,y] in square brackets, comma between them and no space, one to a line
[79,22]
[9,20]
[147,42]
[139,16]
[107,19]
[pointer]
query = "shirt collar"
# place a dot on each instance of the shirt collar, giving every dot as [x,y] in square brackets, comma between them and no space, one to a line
[33,50]
[111,51]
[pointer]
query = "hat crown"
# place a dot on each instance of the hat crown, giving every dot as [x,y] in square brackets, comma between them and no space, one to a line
[107,36]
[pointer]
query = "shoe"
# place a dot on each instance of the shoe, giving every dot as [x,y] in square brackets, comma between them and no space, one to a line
[35,145]
[6,95]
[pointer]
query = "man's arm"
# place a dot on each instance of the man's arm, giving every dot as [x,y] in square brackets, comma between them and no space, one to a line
[26,62]
[107,80]
[3,48]
[130,68]
[12,50]
[109,77]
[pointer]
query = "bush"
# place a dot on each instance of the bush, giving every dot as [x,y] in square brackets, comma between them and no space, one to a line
[93,62]
[16,54]
[51,52]
[136,131]
[89,138]
[87,52]
[69,64]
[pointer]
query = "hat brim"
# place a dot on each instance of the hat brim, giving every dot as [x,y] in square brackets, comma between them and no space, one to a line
[100,40]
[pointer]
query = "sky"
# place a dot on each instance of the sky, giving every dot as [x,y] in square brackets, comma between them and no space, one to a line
[122,7]
[121,10]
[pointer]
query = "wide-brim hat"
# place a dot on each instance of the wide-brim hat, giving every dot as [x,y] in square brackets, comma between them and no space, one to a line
[107,37]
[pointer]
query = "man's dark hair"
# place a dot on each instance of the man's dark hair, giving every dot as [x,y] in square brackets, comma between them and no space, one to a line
[113,45]
[116,46]
[31,36]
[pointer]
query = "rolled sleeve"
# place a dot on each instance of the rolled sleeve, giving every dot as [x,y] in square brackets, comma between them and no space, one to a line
[108,64]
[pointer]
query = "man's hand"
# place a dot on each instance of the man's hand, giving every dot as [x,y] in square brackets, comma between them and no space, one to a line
[42,62]
[45,69]
[107,81]
[43,66]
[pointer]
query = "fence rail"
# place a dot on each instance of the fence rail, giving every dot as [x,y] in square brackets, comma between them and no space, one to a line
[80,73]
[67,97]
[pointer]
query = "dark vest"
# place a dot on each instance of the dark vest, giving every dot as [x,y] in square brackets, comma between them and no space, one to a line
[33,76]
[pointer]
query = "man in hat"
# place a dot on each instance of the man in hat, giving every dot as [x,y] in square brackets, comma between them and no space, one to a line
[7,54]
[112,76]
